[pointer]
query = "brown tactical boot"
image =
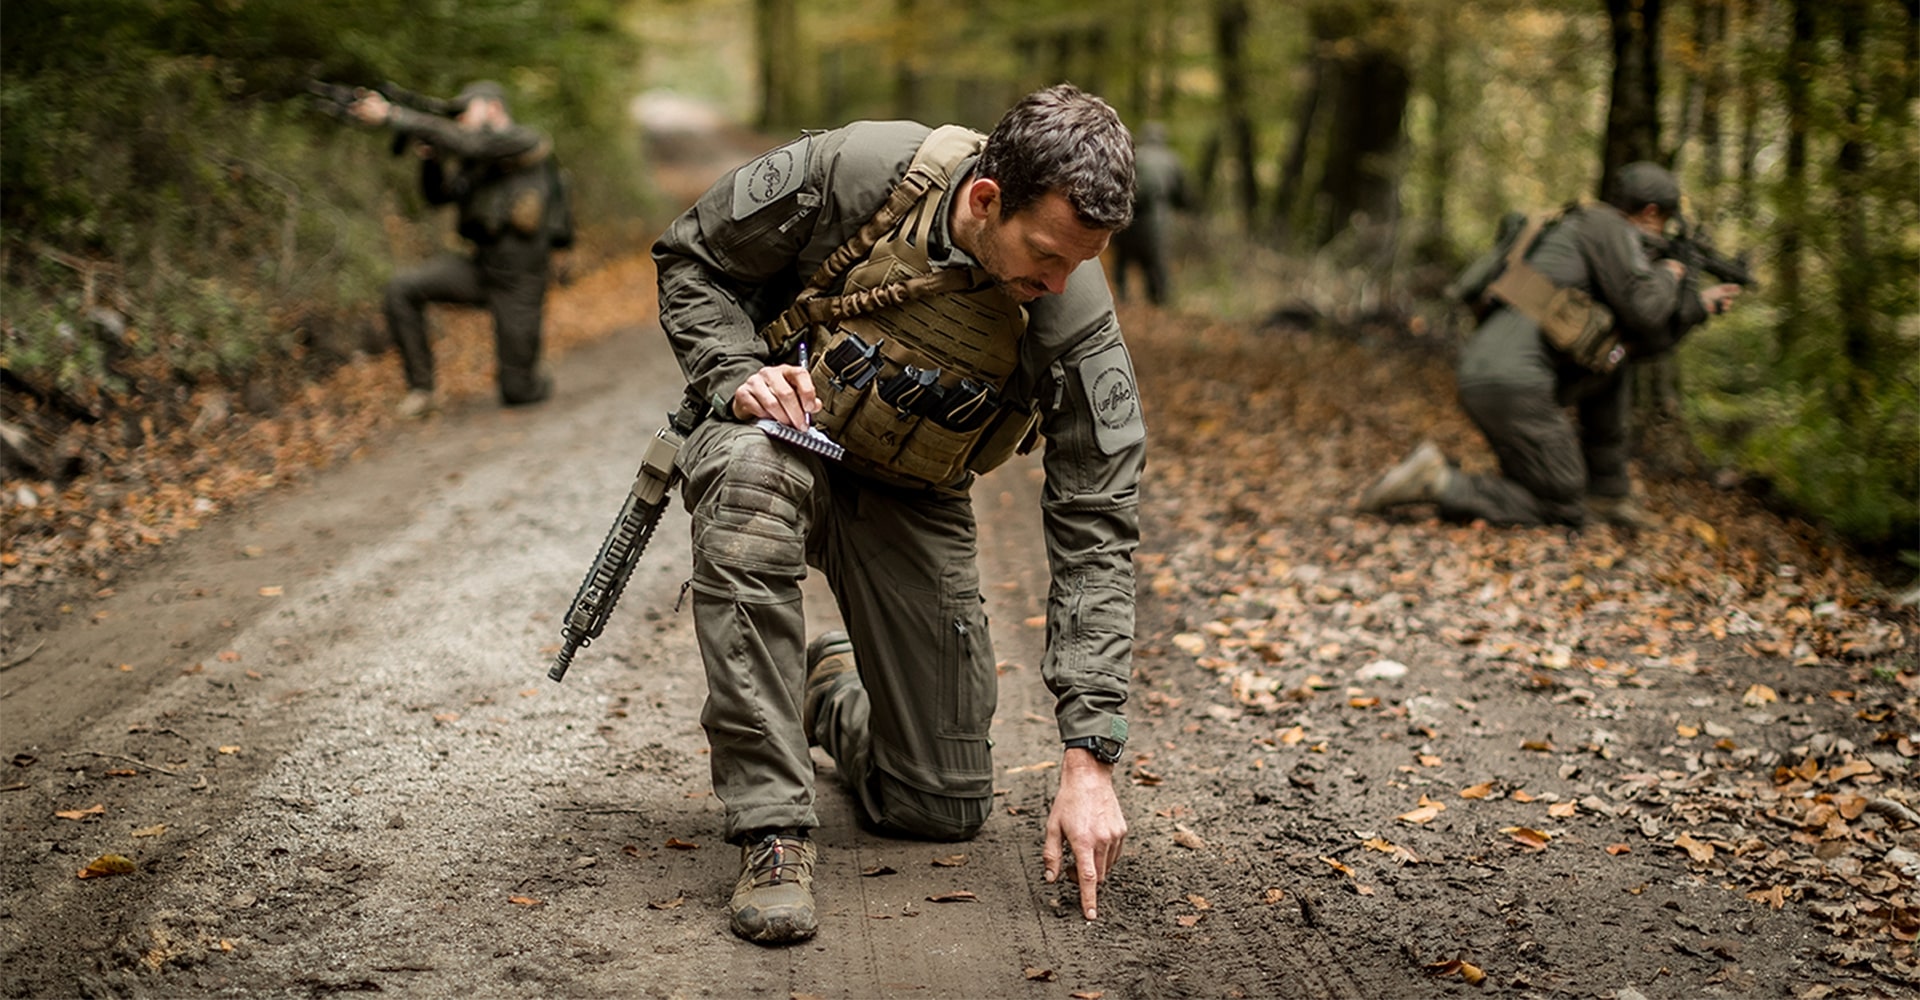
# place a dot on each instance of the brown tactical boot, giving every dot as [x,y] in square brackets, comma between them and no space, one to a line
[1419,478]
[829,664]
[773,901]
[416,404]
[1621,512]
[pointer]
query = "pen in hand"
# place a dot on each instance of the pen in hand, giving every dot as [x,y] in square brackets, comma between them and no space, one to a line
[803,367]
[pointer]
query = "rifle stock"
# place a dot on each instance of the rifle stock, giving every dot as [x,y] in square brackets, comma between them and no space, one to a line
[639,514]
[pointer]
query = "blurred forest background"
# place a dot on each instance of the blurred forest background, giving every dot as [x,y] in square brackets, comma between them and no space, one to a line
[176,214]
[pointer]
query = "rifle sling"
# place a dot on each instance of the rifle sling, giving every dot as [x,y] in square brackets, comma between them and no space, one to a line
[814,306]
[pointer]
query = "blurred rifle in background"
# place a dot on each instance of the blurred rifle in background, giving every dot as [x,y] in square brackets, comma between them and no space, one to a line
[335,99]
[1690,245]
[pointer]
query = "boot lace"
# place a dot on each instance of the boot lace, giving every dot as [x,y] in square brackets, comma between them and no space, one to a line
[770,861]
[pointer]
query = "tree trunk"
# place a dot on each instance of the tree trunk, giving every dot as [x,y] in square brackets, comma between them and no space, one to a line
[1659,433]
[1437,242]
[906,75]
[1230,21]
[1345,162]
[777,50]
[1287,211]
[1797,85]
[1633,116]
[1753,15]
[1854,272]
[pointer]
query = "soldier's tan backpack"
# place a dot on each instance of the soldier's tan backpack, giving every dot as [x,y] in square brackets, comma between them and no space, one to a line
[1568,317]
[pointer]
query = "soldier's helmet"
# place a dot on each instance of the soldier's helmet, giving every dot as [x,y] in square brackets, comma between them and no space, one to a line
[1640,184]
[481,88]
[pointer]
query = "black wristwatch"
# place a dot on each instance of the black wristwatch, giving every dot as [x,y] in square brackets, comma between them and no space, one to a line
[1104,750]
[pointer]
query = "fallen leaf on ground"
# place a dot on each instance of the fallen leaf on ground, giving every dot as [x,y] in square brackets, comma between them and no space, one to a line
[96,809]
[1527,837]
[108,864]
[1272,896]
[1757,695]
[1775,897]
[1466,970]
[1041,766]
[1188,919]
[1428,809]
[681,845]
[1187,838]
[1618,849]
[151,831]
[1037,975]
[1521,795]
[1479,791]
[228,656]
[271,591]
[1537,746]
[876,871]
[959,896]
[525,901]
[1337,866]
[1698,851]
[1850,769]
[1087,994]
[230,749]
[950,861]
[1562,810]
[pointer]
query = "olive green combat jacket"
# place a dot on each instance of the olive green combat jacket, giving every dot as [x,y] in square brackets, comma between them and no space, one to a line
[1596,249]
[740,255]
[484,171]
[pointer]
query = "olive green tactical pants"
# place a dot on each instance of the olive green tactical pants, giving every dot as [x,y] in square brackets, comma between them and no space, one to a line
[910,739]
[510,282]
[1547,463]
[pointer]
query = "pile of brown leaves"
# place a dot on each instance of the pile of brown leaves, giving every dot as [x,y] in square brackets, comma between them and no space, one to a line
[1262,440]
[173,478]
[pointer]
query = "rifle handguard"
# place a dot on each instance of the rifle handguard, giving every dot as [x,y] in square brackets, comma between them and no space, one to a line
[646,500]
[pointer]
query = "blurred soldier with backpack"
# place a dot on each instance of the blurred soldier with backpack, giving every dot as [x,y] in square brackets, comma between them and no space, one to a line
[1160,187]
[1573,298]
[512,208]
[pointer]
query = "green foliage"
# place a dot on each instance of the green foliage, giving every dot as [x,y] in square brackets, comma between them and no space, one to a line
[162,158]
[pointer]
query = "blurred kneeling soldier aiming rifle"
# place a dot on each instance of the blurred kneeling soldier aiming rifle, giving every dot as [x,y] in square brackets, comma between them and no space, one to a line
[1574,297]
[513,208]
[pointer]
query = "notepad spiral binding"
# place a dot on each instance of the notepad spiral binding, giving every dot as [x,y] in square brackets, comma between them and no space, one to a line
[811,439]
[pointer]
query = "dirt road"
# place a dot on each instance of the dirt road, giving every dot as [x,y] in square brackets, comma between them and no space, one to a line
[1371,758]
[323,733]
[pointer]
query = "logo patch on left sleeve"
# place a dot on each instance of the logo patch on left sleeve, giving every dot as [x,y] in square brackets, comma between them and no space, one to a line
[770,178]
[1107,378]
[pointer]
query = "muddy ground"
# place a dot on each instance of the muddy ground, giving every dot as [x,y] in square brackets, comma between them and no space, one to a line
[1371,757]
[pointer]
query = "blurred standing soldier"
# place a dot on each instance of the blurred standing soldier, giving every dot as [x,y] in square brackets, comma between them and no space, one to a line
[496,172]
[990,323]
[1515,383]
[1160,187]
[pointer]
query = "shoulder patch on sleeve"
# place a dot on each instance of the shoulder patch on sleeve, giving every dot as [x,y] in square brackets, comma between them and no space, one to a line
[1107,378]
[770,178]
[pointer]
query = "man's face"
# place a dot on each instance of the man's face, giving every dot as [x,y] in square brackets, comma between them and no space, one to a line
[1651,219]
[478,114]
[1033,252]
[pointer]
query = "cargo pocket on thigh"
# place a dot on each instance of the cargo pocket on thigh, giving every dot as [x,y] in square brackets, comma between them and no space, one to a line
[969,687]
